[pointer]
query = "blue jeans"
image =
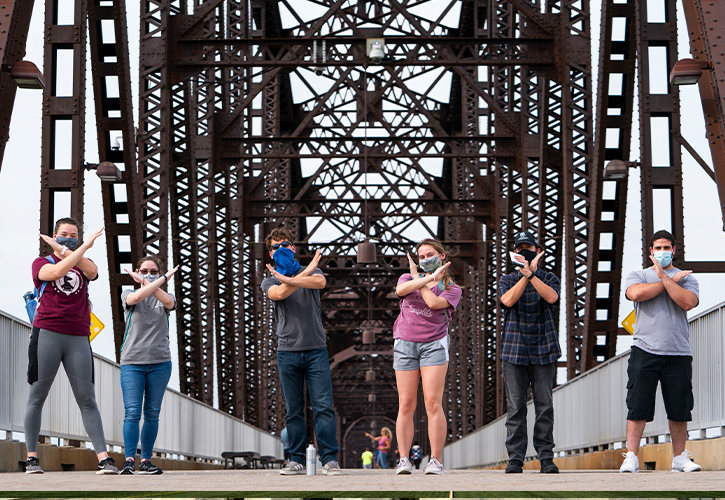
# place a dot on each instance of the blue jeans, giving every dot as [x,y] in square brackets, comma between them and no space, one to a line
[143,385]
[517,379]
[382,460]
[295,368]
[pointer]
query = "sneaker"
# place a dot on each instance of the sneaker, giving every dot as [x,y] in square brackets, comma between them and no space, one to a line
[515,467]
[683,463]
[32,466]
[128,467]
[631,463]
[548,466]
[332,468]
[404,467]
[293,468]
[146,467]
[433,467]
[107,466]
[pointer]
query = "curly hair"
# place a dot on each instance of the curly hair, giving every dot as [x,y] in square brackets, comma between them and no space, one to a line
[280,233]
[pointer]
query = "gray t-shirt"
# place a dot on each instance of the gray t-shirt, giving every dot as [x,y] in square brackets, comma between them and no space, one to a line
[146,340]
[298,317]
[660,324]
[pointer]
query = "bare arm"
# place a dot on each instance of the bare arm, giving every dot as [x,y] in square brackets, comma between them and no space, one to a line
[683,298]
[514,293]
[433,301]
[304,279]
[52,272]
[151,289]
[644,291]
[640,292]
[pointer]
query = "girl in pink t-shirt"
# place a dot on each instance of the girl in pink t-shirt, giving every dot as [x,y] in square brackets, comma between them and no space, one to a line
[427,301]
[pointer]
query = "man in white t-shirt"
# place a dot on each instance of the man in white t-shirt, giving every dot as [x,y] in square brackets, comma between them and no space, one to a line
[662,295]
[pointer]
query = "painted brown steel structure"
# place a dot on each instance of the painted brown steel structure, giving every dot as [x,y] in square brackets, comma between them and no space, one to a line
[477,124]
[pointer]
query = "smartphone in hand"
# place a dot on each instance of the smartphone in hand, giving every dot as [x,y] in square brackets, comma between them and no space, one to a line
[516,262]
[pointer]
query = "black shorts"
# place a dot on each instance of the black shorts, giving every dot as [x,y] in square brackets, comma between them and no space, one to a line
[675,375]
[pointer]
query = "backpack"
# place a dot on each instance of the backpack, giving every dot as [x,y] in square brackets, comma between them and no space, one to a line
[416,453]
[32,299]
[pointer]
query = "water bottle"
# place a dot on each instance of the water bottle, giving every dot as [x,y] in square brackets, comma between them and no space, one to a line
[30,304]
[311,460]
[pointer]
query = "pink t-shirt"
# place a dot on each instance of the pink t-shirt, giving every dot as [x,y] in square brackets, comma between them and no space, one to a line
[64,306]
[383,444]
[419,323]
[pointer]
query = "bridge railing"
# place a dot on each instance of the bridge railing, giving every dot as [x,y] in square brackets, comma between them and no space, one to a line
[187,427]
[590,410]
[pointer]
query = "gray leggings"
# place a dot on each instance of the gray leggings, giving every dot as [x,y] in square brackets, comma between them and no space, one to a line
[75,353]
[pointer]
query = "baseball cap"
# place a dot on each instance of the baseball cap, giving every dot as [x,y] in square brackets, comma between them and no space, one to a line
[525,238]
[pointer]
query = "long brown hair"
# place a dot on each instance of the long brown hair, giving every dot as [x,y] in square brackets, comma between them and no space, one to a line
[438,247]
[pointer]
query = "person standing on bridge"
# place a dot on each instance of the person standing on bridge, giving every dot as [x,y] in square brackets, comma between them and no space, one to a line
[529,352]
[662,295]
[427,301]
[301,351]
[145,360]
[61,331]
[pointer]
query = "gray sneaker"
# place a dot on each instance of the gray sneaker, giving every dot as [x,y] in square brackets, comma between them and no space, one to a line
[32,466]
[404,467]
[293,468]
[434,467]
[332,468]
[107,466]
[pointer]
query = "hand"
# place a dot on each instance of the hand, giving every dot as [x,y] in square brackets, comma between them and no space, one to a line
[680,274]
[534,265]
[136,277]
[169,274]
[314,264]
[281,277]
[413,266]
[438,274]
[50,241]
[92,238]
[657,266]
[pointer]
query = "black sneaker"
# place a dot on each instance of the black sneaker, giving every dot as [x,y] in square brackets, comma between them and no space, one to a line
[32,466]
[128,467]
[549,467]
[146,467]
[515,467]
[107,466]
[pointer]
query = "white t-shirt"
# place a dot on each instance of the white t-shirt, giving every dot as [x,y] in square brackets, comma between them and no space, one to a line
[661,325]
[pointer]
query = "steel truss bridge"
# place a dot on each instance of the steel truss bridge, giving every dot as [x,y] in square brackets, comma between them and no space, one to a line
[478,122]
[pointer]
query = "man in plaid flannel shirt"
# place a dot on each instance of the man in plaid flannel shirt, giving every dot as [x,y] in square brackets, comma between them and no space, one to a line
[530,349]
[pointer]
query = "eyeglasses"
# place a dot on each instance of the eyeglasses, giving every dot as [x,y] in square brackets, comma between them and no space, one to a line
[148,271]
[283,244]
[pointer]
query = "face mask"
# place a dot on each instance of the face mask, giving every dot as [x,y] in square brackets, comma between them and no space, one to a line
[284,261]
[664,258]
[71,243]
[431,264]
[151,277]
[528,255]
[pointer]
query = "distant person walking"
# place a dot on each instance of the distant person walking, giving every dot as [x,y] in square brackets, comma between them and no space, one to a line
[60,334]
[661,353]
[145,360]
[427,301]
[384,441]
[416,454]
[367,459]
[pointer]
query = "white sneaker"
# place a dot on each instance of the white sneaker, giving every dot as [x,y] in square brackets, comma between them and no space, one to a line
[293,468]
[682,463]
[404,467]
[433,467]
[631,463]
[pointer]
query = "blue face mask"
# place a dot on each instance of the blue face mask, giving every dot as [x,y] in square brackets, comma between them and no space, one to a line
[431,264]
[284,261]
[664,257]
[71,243]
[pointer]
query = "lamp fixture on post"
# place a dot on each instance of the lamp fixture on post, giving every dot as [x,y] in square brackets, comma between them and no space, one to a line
[107,171]
[688,71]
[617,169]
[26,75]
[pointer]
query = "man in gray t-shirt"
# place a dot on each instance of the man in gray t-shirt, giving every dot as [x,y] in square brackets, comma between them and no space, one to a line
[301,351]
[662,295]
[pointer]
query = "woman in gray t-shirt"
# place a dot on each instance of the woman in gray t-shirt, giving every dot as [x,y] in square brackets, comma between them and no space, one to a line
[145,360]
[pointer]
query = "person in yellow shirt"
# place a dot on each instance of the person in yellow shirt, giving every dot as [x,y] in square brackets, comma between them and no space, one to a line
[367,458]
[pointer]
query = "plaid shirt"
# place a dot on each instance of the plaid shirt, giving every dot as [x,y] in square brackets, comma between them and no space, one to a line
[529,332]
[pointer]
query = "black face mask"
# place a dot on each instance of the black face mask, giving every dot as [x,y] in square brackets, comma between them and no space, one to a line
[528,255]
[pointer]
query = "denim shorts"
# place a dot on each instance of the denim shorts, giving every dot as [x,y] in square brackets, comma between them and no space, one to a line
[412,355]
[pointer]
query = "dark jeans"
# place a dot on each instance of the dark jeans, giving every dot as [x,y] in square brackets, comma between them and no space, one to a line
[517,379]
[143,385]
[295,368]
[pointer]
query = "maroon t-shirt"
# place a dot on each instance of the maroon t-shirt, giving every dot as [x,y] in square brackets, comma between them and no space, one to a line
[64,306]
